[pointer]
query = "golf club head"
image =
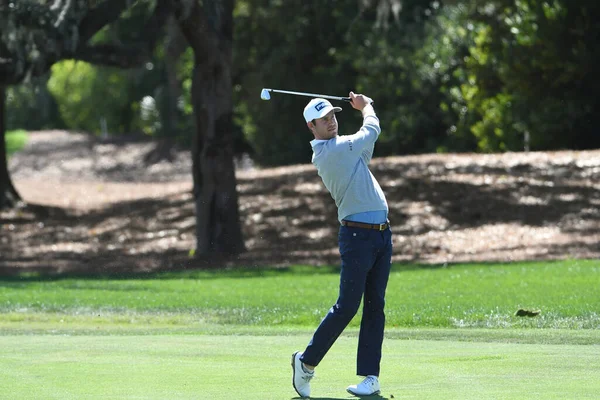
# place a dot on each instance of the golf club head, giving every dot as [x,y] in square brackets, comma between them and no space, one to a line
[265,95]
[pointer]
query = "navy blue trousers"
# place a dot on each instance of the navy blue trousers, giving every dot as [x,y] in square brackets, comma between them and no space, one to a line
[366,260]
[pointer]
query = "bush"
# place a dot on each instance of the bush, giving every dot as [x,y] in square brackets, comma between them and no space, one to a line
[86,94]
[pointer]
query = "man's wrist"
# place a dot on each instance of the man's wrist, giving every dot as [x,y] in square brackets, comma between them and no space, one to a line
[368,110]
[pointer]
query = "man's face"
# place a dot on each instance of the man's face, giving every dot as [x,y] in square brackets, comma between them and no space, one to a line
[324,128]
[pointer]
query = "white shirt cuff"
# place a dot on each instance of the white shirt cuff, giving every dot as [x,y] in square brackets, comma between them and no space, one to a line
[368,110]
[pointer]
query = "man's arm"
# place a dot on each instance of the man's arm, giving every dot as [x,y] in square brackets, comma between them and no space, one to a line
[370,129]
[361,142]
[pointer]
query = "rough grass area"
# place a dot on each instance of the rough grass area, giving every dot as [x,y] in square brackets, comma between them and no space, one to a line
[456,296]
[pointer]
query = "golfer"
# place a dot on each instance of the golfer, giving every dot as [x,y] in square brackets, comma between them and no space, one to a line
[365,242]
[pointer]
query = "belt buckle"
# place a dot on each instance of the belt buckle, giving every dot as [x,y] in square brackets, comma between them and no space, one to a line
[382,226]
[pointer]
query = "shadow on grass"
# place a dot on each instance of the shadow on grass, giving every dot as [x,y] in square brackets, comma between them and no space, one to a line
[16,276]
[372,397]
[204,274]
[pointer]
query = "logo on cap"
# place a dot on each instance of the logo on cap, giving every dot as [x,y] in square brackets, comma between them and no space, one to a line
[320,106]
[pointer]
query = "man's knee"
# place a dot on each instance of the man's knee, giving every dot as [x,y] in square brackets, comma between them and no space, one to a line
[346,310]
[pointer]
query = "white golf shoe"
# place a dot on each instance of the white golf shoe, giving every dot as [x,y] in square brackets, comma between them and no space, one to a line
[369,386]
[300,379]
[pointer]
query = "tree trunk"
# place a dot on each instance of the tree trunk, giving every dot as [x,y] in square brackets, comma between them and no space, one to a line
[209,32]
[169,95]
[175,45]
[8,194]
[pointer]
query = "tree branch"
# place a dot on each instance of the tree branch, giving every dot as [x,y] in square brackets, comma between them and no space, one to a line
[131,54]
[113,55]
[97,18]
[62,30]
[152,28]
[196,21]
[63,13]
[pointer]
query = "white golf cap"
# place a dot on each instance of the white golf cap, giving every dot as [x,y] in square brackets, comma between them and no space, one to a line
[318,108]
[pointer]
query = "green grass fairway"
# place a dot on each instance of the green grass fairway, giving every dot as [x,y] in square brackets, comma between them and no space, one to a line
[257,367]
[451,333]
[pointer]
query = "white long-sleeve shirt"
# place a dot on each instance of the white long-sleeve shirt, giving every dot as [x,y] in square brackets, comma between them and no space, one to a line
[342,163]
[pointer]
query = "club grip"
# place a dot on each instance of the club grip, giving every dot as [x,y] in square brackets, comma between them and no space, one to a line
[348,100]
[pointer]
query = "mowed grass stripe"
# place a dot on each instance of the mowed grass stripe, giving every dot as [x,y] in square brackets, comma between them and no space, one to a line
[82,325]
[470,295]
[257,367]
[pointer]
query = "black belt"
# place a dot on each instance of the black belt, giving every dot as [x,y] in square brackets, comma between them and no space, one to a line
[377,227]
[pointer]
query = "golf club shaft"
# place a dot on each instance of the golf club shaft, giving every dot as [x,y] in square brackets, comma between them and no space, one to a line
[324,96]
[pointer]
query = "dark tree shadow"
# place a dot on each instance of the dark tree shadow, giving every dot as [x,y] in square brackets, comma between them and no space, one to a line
[288,218]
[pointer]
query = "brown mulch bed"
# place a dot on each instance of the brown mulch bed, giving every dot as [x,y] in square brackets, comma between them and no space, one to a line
[108,211]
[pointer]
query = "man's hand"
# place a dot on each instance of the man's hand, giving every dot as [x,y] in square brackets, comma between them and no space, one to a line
[359,101]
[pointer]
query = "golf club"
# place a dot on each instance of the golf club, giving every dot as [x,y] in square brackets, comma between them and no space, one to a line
[266,95]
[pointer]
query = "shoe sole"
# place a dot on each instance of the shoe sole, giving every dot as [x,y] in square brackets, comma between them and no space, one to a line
[294,374]
[363,395]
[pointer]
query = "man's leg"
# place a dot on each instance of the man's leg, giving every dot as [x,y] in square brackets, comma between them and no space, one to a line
[358,256]
[372,324]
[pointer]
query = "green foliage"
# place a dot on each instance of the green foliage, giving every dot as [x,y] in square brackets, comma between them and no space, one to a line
[489,75]
[94,98]
[394,68]
[30,106]
[525,74]
[15,140]
[86,94]
[331,50]
[129,101]
[292,46]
